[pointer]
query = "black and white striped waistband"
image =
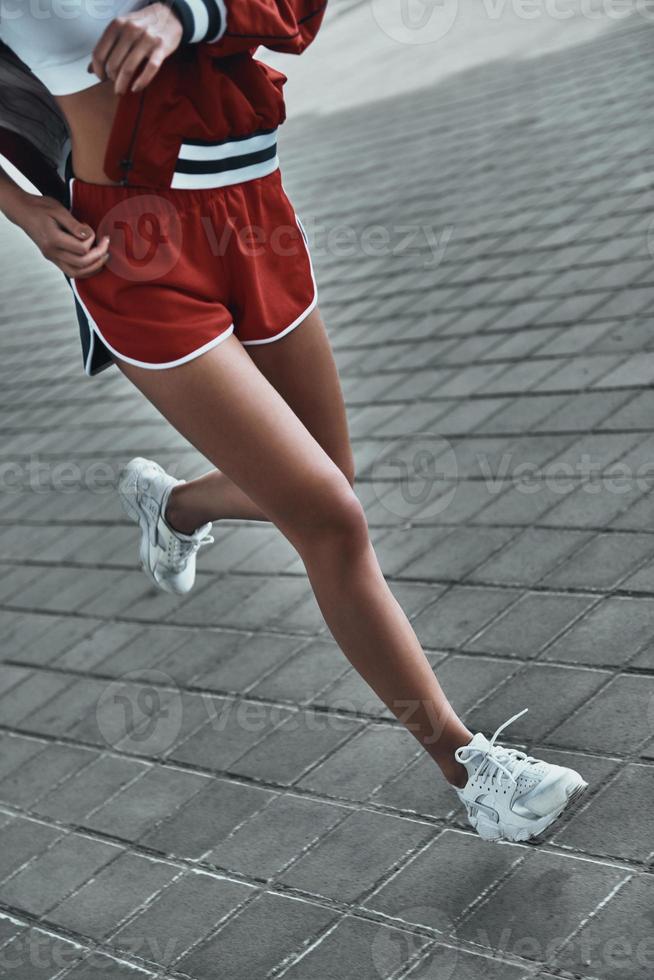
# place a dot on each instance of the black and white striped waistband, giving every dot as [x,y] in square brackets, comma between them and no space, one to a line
[204,164]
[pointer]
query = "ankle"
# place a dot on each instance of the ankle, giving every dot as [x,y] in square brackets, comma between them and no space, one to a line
[455,773]
[175,514]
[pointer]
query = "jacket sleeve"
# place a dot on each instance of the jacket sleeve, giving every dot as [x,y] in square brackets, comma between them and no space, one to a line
[202,20]
[231,26]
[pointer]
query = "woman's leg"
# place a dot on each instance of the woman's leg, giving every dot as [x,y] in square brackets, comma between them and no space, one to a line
[232,414]
[301,367]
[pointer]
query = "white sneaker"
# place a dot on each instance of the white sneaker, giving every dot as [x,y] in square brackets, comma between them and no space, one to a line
[509,795]
[167,556]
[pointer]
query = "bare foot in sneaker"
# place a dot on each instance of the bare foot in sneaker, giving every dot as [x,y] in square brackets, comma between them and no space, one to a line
[168,557]
[510,795]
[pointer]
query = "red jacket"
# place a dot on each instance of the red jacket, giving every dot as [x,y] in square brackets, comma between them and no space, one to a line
[211,88]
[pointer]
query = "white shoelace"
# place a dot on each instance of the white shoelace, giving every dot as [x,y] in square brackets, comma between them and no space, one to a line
[180,551]
[497,762]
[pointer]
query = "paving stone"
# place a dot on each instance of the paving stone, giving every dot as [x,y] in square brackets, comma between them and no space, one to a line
[531,556]
[66,708]
[97,965]
[94,649]
[143,803]
[400,548]
[207,819]
[642,580]
[516,508]
[39,955]
[568,890]
[11,676]
[465,680]
[22,840]
[610,634]
[199,652]
[602,563]
[131,707]
[447,962]
[30,694]
[42,772]
[269,839]
[618,719]
[233,727]
[527,626]
[145,650]
[616,941]
[290,749]
[60,635]
[99,907]
[9,928]
[207,606]
[609,827]
[550,693]
[264,934]
[21,629]
[266,605]
[88,789]
[301,677]
[363,764]
[458,554]
[414,596]
[435,889]
[242,659]
[183,914]
[357,947]
[54,874]
[349,861]
[167,718]
[419,789]
[16,750]
[460,614]
[352,694]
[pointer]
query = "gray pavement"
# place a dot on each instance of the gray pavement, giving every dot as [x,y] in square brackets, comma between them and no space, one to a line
[203,788]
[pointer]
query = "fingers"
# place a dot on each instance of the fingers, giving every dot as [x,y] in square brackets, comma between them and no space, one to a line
[129,41]
[62,241]
[77,266]
[69,222]
[136,44]
[104,46]
[148,50]
[154,63]
[91,271]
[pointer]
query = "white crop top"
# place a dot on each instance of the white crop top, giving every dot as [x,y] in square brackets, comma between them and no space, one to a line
[55,38]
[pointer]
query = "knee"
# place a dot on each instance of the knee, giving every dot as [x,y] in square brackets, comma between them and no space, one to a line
[334,520]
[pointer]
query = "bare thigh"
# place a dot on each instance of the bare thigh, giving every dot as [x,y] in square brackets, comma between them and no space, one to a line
[301,367]
[225,407]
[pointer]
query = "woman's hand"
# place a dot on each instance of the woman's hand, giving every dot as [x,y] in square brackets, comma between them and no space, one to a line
[136,43]
[61,237]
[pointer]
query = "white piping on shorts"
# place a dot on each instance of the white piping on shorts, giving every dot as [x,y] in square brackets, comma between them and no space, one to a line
[150,366]
[310,308]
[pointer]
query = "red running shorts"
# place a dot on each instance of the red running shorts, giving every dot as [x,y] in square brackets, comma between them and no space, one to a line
[189,267]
